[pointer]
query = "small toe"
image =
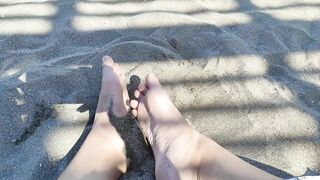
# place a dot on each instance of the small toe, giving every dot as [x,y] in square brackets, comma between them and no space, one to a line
[152,80]
[134,104]
[135,112]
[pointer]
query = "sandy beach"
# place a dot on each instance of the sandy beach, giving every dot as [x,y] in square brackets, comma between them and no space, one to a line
[246,73]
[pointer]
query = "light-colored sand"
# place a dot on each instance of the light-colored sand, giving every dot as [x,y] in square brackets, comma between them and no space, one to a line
[245,73]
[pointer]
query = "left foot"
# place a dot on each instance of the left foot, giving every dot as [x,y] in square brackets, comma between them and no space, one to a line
[102,155]
[113,88]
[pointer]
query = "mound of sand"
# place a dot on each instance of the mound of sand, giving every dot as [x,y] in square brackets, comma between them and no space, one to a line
[244,73]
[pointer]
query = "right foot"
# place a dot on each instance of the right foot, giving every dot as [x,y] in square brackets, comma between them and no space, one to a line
[174,142]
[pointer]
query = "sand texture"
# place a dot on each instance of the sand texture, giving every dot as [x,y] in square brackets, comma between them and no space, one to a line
[246,73]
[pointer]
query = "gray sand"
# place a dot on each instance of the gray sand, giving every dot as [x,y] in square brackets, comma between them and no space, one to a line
[244,73]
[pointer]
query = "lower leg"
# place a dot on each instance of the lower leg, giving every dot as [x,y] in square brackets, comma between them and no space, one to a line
[100,157]
[218,163]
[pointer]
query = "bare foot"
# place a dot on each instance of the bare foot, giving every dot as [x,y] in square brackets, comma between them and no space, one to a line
[113,88]
[180,151]
[102,155]
[173,140]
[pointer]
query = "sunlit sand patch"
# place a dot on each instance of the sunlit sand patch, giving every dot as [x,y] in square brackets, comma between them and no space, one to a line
[281,4]
[25,18]
[154,20]
[34,26]
[61,140]
[70,113]
[8,2]
[79,66]
[227,19]
[301,156]
[20,92]
[132,8]
[20,98]
[124,8]
[34,10]
[9,73]
[20,101]
[220,5]
[260,138]
[104,16]
[250,65]
[284,123]
[295,13]
[299,61]
[300,64]
[217,5]
[23,77]
[72,121]
[146,20]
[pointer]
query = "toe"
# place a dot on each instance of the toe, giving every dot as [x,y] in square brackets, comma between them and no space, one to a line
[137,94]
[107,60]
[142,88]
[134,104]
[152,81]
[135,112]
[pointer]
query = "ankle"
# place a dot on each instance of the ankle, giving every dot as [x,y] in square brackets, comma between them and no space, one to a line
[181,147]
[167,139]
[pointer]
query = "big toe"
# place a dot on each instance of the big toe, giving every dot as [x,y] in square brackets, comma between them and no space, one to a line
[108,61]
[152,81]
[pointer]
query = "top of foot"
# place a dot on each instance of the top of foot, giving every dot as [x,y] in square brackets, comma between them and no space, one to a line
[113,87]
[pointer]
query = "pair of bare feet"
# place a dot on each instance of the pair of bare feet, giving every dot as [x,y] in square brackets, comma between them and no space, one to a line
[180,151]
[160,121]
